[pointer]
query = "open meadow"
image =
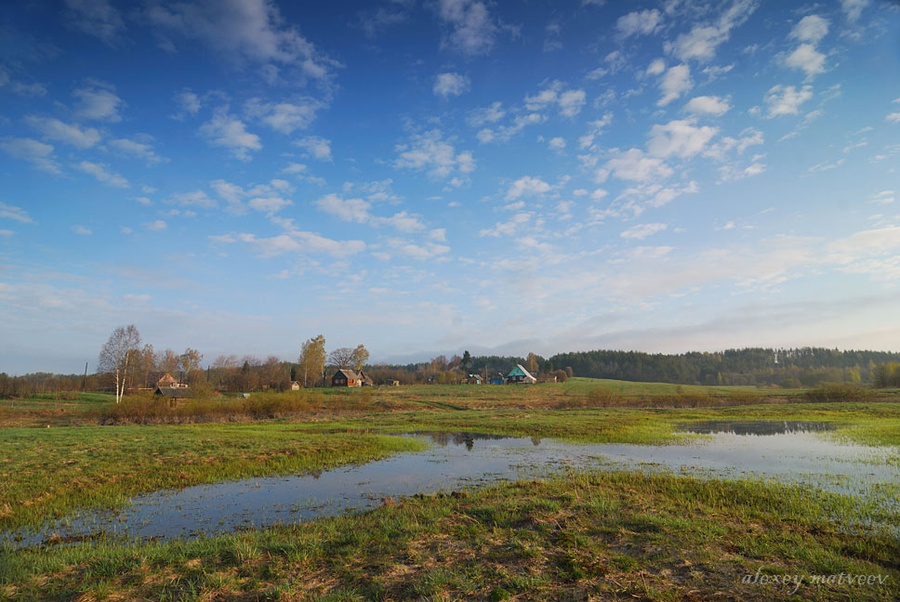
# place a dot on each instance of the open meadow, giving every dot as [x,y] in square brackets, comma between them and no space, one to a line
[580,531]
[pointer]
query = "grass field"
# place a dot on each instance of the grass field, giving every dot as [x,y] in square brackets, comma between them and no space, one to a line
[584,535]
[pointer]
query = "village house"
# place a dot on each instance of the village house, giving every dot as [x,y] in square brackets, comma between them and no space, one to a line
[345,377]
[519,375]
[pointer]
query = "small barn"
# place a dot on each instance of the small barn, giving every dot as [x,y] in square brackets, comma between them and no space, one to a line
[473,379]
[175,394]
[295,386]
[519,375]
[345,377]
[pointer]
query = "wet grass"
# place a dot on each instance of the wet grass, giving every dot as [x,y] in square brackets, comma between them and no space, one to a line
[580,536]
[46,473]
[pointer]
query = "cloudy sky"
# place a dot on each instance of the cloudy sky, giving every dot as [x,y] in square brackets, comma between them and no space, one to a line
[429,176]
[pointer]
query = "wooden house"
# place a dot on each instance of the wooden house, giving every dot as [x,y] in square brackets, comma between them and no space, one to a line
[345,377]
[473,379]
[519,375]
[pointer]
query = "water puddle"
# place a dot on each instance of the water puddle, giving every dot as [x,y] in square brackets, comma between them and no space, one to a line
[458,461]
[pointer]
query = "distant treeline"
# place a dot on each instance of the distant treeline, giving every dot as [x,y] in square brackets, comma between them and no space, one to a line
[789,368]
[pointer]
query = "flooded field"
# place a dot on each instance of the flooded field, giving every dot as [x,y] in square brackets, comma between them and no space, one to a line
[784,451]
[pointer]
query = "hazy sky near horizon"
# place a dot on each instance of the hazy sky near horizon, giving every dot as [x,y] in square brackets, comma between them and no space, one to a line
[429,176]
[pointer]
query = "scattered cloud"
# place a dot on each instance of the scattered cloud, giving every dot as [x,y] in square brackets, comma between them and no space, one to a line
[102,174]
[97,18]
[786,100]
[675,82]
[681,138]
[138,149]
[284,117]
[853,8]
[97,101]
[156,226]
[319,148]
[643,22]
[703,40]
[82,231]
[811,28]
[229,132]
[527,186]
[247,31]
[472,31]
[642,231]
[634,165]
[429,151]
[67,133]
[893,118]
[14,213]
[450,84]
[188,105]
[708,105]
[40,155]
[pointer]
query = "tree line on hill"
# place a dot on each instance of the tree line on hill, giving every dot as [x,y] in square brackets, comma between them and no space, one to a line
[787,368]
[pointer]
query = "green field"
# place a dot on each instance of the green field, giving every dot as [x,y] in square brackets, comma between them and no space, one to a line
[582,535]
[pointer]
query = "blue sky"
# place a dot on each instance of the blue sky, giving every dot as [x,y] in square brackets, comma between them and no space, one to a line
[429,176]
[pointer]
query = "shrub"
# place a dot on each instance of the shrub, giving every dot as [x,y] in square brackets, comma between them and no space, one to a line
[832,392]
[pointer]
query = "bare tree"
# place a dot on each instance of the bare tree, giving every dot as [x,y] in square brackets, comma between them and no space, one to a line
[119,354]
[342,357]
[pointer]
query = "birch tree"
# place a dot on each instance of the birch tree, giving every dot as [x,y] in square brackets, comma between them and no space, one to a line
[312,361]
[119,355]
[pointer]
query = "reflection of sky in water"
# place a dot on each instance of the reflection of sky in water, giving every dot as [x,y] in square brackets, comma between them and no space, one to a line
[464,460]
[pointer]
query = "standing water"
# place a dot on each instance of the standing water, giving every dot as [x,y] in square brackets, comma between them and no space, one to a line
[787,452]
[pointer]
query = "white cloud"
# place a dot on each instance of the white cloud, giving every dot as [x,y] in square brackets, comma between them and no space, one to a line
[98,102]
[284,117]
[188,104]
[33,90]
[558,143]
[4,232]
[156,226]
[893,118]
[99,171]
[349,210]
[472,30]
[853,8]
[299,242]
[430,151]
[642,231]
[807,59]
[811,28]
[527,186]
[450,84]
[244,30]
[674,83]
[419,252]
[708,105]
[885,197]
[198,198]
[680,138]
[643,22]
[657,67]
[97,18]
[14,213]
[269,204]
[786,100]
[229,132]
[569,102]
[81,230]
[702,41]
[67,133]
[318,147]
[403,222]
[634,165]
[40,155]
[133,148]
[507,228]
